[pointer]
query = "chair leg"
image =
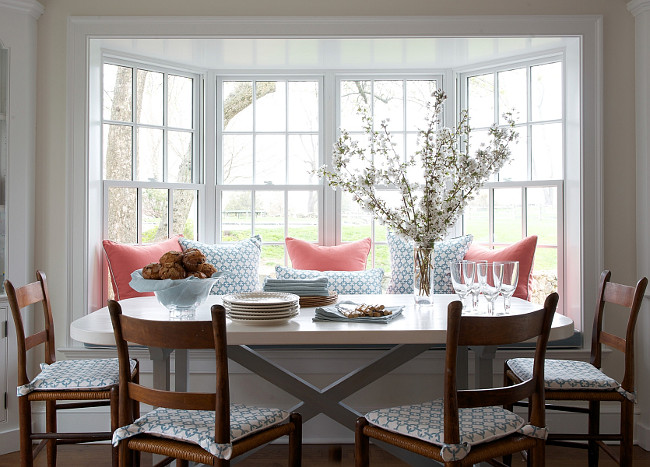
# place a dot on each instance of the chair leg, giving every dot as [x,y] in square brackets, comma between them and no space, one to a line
[25,422]
[627,433]
[115,423]
[361,444]
[537,455]
[50,427]
[594,429]
[295,441]
[182,463]
[507,459]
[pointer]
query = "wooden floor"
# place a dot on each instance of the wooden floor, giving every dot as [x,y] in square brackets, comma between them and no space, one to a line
[313,456]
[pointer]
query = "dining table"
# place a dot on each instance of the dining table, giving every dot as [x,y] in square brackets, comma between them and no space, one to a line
[416,330]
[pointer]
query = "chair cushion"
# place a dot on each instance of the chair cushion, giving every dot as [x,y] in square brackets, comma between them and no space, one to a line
[123,259]
[522,251]
[197,426]
[71,375]
[425,421]
[344,257]
[565,374]
[402,266]
[241,261]
[341,282]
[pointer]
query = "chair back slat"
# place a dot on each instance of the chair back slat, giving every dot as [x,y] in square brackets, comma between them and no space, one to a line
[619,294]
[502,330]
[613,341]
[35,339]
[167,334]
[171,399]
[29,294]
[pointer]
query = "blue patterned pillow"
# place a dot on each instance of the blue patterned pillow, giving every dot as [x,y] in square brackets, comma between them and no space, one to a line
[241,260]
[341,282]
[401,262]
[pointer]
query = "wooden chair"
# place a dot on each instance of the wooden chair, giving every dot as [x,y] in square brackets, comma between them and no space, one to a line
[90,382]
[199,427]
[469,426]
[569,380]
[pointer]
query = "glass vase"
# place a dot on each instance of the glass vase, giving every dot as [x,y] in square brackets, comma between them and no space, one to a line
[423,275]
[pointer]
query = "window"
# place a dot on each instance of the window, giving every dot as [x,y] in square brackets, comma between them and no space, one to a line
[150,143]
[401,101]
[526,196]
[269,139]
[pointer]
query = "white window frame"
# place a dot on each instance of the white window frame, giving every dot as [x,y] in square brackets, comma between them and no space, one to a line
[583,180]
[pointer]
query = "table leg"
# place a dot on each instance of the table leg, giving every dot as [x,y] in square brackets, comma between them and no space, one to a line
[181,370]
[160,359]
[484,365]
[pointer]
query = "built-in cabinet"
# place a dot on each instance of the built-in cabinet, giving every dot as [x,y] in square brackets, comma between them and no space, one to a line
[18,21]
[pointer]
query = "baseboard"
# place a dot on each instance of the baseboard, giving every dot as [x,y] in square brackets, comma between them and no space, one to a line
[10,440]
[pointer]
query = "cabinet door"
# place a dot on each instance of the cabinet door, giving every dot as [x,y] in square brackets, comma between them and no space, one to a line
[4,309]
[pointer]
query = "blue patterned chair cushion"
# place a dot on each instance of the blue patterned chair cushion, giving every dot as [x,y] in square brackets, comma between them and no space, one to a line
[341,282]
[197,426]
[568,375]
[241,261]
[402,267]
[75,374]
[477,425]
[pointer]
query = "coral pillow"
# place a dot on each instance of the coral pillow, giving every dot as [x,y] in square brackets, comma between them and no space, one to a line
[522,251]
[345,257]
[123,259]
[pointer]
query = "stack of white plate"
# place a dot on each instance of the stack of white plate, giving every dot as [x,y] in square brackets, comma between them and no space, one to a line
[261,307]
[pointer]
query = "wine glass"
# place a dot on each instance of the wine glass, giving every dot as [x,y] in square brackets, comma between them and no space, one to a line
[462,277]
[475,287]
[509,283]
[490,276]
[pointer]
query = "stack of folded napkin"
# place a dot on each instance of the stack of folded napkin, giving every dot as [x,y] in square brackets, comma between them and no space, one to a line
[334,313]
[302,287]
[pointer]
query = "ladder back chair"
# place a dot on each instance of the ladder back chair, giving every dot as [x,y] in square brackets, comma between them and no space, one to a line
[470,426]
[570,380]
[199,427]
[91,383]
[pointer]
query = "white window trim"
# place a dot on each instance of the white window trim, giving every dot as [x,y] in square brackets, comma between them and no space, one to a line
[83,67]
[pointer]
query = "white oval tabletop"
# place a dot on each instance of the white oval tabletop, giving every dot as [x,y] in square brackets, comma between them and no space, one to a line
[416,325]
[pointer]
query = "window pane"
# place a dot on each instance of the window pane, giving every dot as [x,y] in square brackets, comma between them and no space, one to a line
[270,160]
[389,104]
[269,215]
[117,98]
[150,97]
[542,214]
[303,106]
[513,94]
[355,222]
[382,260]
[149,157]
[480,100]
[546,147]
[118,162]
[237,159]
[237,105]
[507,215]
[271,108]
[303,158]
[179,156]
[303,215]
[236,219]
[517,167]
[272,256]
[476,219]
[546,91]
[155,214]
[418,94]
[123,214]
[179,101]
[354,95]
[185,214]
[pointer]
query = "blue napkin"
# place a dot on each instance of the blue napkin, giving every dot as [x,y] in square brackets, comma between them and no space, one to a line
[334,313]
[302,287]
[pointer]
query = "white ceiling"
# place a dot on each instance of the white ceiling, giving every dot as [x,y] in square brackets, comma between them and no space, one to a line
[339,54]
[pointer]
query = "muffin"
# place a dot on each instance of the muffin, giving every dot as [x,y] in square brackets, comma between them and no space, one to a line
[193,258]
[151,271]
[171,257]
[172,271]
[207,269]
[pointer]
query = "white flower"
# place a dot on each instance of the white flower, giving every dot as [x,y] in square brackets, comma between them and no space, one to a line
[452,175]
